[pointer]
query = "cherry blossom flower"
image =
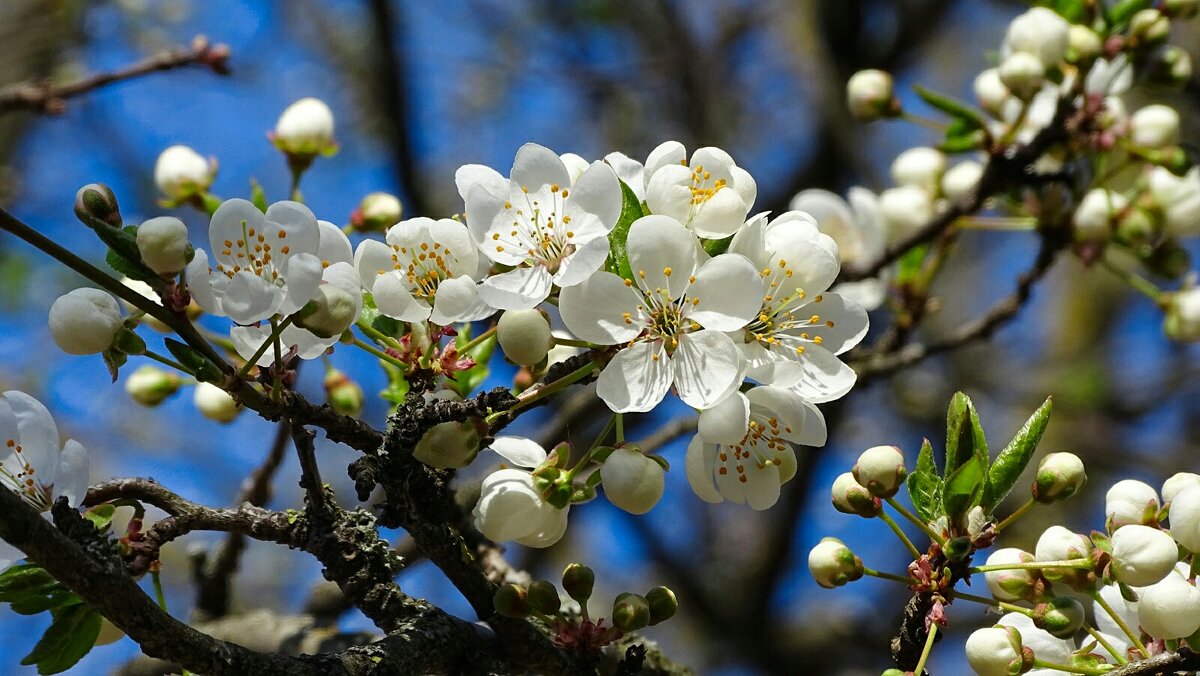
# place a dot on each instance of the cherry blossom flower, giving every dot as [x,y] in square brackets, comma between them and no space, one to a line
[510,507]
[856,227]
[669,318]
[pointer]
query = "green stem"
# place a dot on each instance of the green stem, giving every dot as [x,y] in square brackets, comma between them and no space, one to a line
[919,523]
[1008,520]
[912,549]
[1081,564]
[1071,669]
[1116,617]
[620,422]
[1095,633]
[571,342]
[906,581]
[377,335]
[933,629]
[150,354]
[1005,223]
[362,345]
[477,341]
[547,390]
[276,328]
[1138,282]
[926,122]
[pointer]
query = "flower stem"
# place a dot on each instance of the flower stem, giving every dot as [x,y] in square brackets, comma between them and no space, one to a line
[933,628]
[1139,283]
[1081,564]
[272,339]
[363,345]
[1005,223]
[150,354]
[620,424]
[919,523]
[912,549]
[547,390]
[1071,669]
[376,335]
[1011,518]
[571,342]
[1116,617]
[907,581]
[928,123]
[477,341]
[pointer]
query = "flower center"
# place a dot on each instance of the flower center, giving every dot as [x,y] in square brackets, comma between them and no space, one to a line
[23,484]
[778,316]
[703,187]
[539,229]
[253,253]
[424,266]
[762,445]
[661,317]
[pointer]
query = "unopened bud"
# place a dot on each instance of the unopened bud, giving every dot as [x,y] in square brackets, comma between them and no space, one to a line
[510,601]
[995,651]
[85,321]
[1149,27]
[330,312]
[1097,213]
[631,612]
[215,403]
[448,445]
[1015,583]
[1176,484]
[343,394]
[578,581]
[1141,555]
[1137,227]
[1183,9]
[377,211]
[832,564]
[524,335]
[921,167]
[1083,44]
[1130,501]
[543,597]
[632,481]
[96,201]
[163,245]
[1023,74]
[1169,65]
[663,604]
[305,128]
[870,96]
[1059,544]
[1155,126]
[1059,476]
[1039,31]
[990,91]
[881,470]
[851,497]
[1061,616]
[1182,320]
[181,172]
[961,179]
[150,385]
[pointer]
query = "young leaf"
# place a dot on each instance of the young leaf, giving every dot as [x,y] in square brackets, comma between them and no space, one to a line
[258,196]
[958,426]
[59,597]
[924,485]
[952,107]
[963,488]
[123,266]
[1011,461]
[68,638]
[20,579]
[716,247]
[101,516]
[631,210]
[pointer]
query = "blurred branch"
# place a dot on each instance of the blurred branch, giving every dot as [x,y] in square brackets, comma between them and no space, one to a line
[52,99]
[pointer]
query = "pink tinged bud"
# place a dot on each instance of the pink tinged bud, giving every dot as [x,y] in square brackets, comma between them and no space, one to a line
[832,564]
[378,211]
[1014,584]
[85,321]
[850,497]
[632,481]
[869,95]
[881,470]
[1059,476]
[995,651]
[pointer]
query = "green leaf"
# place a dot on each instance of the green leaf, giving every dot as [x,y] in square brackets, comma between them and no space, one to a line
[958,429]
[1124,10]
[964,488]
[34,604]
[68,638]
[258,196]
[20,579]
[124,266]
[1072,10]
[909,265]
[631,210]
[101,516]
[1011,461]
[716,247]
[924,485]
[952,107]
[398,385]
[204,370]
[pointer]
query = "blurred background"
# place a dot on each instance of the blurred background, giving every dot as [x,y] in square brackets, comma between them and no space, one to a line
[420,88]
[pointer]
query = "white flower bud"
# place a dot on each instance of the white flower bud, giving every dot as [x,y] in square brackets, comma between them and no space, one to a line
[1169,65]
[510,508]
[1179,199]
[832,564]
[305,128]
[1142,555]
[869,94]
[1059,544]
[1059,476]
[1182,319]
[1155,126]
[524,335]
[1040,642]
[921,167]
[1013,584]
[881,470]
[995,651]
[181,172]
[1040,32]
[377,211]
[632,481]
[991,92]
[1170,609]
[1130,501]
[961,179]
[163,244]
[85,321]
[215,403]
[1084,43]
[343,394]
[1023,73]
[1096,214]
[905,210]
[1185,518]
[150,385]
[1149,27]
[448,445]
[330,312]
[1178,483]
[850,497]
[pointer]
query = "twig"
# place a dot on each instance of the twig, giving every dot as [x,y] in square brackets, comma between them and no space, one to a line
[52,99]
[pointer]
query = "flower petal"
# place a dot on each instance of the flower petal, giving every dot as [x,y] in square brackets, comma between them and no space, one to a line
[200,284]
[371,259]
[520,451]
[553,525]
[38,435]
[470,175]
[636,379]
[761,488]
[517,289]
[700,466]
[706,368]
[667,153]
[394,299]
[630,171]
[662,254]
[580,265]
[728,293]
[843,323]
[230,223]
[458,300]
[800,421]
[817,376]
[727,422]
[249,298]
[71,480]
[536,166]
[598,192]
[303,277]
[458,249]
[595,309]
[334,246]
[721,215]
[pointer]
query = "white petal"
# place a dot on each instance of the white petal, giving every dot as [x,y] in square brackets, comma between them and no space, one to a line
[519,451]
[598,192]
[761,488]
[849,321]
[517,289]
[729,292]
[668,152]
[334,246]
[230,223]
[536,166]
[249,298]
[658,244]
[36,433]
[508,506]
[706,367]
[580,265]
[458,300]
[458,249]
[800,421]
[813,267]
[630,171]
[247,339]
[818,376]
[393,299]
[636,379]
[669,192]
[727,422]
[370,259]
[869,294]
[199,281]
[303,277]
[482,210]
[721,215]
[553,524]
[700,466]
[308,345]
[71,480]
[745,186]
[471,175]
[303,233]
[595,309]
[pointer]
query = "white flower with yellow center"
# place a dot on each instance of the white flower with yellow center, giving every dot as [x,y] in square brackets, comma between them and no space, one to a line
[743,449]
[856,226]
[670,317]
[423,272]
[37,466]
[266,264]
[550,228]
[801,327]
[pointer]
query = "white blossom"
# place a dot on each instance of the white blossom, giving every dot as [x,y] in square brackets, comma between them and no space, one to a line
[1096,214]
[1179,199]
[856,226]
[708,193]
[1155,126]
[832,564]
[1023,74]
[1041,32]
[1170,608]
[1045,646]
[990,91]
[1178,483]
[880,469]
[904,210]
[510,507]
[305,127]
[921,167]
[961,179]
[1012,584]
[85,321]
[869,94]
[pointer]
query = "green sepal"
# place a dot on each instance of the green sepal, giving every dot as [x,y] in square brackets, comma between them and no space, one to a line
[631,210]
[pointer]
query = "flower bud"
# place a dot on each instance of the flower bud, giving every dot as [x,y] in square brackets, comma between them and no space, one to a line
[1169,65]
[377,211]
[305,128]
[343,394]
[881,470]
[1015,583]
[832,564]
[85,321]
[1137,227]
[850,497]
[524,335]
[1023,74]
[215,403]
[448,445]
[96,201]
[1170,609]
[163,244]
[1059,544]
[1061,616]
[905,210]
[1097,213]
[632,481]
[921,167]
[630,612]
[1179,199]
[1059,476]
[1182,320]
[1083,44]
[181,172]
[511,600]
[578,581]
[870,95]
[1185,518]
[663,604]
[543,597]
[1040,32]
[961,179]
[995,651]
[330,312]
[1183,9]
[1141,555]
[1130,501]
[1155,126]
[990,91]
[1149,27]
[150,385]
[1178,483]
